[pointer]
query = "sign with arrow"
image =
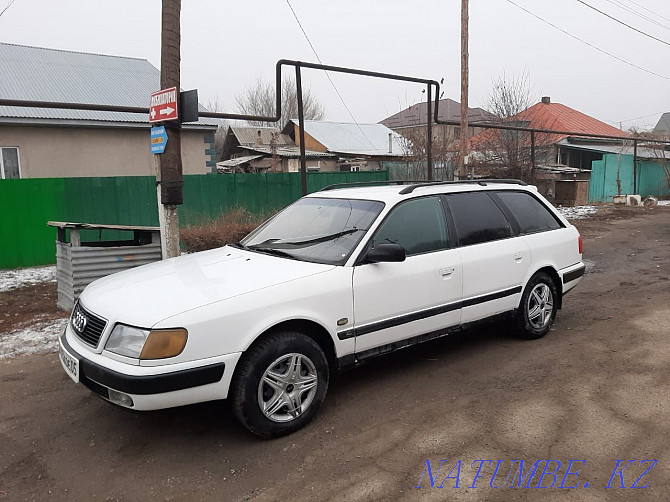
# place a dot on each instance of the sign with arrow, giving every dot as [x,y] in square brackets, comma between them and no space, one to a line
[159,139]
[164,105]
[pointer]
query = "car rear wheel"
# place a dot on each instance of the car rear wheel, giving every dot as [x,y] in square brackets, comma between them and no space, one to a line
[537,310]
[279,384]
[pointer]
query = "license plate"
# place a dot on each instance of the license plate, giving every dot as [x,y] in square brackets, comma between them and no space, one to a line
[70,364]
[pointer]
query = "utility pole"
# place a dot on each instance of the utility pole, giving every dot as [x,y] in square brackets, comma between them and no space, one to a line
[168,164]
[464,89]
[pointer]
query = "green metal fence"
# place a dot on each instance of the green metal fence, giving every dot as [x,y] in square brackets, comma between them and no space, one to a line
[651,178]
[27,204]
[25,207]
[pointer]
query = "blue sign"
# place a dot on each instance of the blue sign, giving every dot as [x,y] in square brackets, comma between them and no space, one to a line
[158,139]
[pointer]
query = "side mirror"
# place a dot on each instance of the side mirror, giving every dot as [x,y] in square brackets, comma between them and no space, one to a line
[386,253]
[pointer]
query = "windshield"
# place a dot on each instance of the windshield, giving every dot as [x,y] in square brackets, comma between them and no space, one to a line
[318,230]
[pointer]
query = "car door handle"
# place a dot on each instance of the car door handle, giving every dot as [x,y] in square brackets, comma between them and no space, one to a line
[518,257]
[446,272]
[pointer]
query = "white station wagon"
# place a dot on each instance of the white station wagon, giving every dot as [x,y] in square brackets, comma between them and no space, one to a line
[339,276]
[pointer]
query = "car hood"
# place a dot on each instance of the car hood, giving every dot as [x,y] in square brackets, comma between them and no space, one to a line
[145,295]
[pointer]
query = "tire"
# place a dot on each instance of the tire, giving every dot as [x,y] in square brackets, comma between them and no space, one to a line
[279,384]
[537,309]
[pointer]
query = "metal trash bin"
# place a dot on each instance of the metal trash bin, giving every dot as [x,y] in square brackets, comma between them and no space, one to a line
[80,263]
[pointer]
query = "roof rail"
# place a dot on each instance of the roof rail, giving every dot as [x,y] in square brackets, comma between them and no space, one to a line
[482,182]
[370,183]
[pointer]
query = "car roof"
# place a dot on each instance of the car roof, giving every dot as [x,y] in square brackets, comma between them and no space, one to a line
[392,193]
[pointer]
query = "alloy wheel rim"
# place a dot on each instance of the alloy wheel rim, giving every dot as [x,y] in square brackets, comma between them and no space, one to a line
[540,306]
[287,388]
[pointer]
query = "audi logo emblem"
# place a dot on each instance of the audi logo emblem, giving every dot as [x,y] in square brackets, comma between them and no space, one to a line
[79,321]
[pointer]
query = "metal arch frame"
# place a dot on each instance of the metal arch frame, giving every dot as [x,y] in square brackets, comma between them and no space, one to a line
[301,118]
[429,83]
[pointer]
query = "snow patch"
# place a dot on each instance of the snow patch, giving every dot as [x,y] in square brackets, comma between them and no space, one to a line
[39,338]
[12,279]
[577,212]
[664,202]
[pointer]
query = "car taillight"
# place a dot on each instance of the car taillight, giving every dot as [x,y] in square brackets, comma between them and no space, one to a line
[581,245]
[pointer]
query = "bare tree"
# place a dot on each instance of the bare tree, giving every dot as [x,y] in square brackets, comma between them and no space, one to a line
[414,168]
[274,163]
[214,105]
[509,96]
[260,99]
[509,152]
[444,152]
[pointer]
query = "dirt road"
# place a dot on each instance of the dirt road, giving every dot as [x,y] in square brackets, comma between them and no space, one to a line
[592,393]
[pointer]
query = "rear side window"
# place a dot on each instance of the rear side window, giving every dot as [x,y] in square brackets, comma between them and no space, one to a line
[477,218]
[418,225]
[531,214]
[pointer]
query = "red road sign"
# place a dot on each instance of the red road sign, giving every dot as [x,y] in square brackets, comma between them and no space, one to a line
[163,105]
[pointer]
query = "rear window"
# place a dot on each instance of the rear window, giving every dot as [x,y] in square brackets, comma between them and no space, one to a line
[477,218]
[531,214]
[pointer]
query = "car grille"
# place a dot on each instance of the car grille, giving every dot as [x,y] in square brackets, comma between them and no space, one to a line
[87,326]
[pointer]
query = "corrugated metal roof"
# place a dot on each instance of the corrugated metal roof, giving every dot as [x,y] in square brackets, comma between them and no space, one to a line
[663,125]
[237,161]
[642,152]
[356,139]
[291,151]
[559,169]
[559,117]
[448,109]
[40,74]
[551,116]
[249,135]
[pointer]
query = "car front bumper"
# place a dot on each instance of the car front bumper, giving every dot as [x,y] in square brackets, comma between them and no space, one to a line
[153,387]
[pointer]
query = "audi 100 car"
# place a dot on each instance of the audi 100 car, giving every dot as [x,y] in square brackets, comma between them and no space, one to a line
[339,276]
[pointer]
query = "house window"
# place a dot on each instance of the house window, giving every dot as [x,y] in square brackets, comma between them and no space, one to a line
[9,163]
[313,169]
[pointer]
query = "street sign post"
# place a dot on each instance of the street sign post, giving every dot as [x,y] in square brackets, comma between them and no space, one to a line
[164,105]
[159,139]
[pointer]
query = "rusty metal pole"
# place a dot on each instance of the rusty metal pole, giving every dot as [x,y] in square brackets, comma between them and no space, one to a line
[464,87]
[169,164]
[429,133]
[301,129]
[532,154]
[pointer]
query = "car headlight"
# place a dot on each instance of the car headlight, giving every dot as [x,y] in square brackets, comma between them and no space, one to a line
[146,344]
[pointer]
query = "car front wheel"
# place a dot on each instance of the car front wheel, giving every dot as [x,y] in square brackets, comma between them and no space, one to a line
[537,310]
[280,384]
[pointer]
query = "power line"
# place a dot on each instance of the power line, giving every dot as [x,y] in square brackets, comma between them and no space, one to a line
[636,118]
[331,81]
[624,24]
[7,7]
[649,10]
[631,10]
[589,44]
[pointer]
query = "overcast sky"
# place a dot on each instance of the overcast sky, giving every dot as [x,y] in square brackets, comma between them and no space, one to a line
[227,45]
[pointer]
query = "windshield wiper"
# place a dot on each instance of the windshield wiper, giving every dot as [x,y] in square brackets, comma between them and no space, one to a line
[276,252]
[277,244]
[272,251]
